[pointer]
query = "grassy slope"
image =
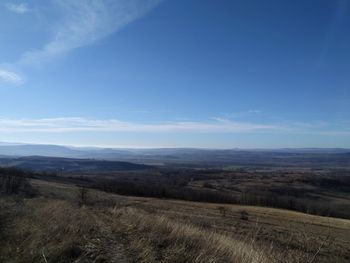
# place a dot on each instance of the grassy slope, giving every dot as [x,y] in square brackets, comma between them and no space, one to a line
[310,188]
[128,229]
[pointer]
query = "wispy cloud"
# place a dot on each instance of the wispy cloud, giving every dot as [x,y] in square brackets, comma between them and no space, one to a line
[79,23]
[10,77]
[217,125]
[17,8]
[58,125]
[242,114]
[83,22]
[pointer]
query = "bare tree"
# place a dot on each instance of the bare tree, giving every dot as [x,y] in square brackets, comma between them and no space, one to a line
[82,195]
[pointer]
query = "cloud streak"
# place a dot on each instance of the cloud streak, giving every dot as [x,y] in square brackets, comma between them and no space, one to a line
[63,125]
[17,8]
[83,22]
[78,124]
[10,77]
[80,23]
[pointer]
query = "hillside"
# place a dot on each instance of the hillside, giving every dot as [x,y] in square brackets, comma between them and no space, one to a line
[53,227]
[59,165]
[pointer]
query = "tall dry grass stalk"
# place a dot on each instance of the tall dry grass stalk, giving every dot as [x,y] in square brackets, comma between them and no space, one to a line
[157,238]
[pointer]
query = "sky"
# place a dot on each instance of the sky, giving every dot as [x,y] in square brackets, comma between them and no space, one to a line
[175,73]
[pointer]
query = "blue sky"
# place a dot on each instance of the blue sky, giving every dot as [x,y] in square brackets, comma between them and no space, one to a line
[176,73]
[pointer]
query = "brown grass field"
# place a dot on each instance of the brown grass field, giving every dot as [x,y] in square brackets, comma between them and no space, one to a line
[54,227]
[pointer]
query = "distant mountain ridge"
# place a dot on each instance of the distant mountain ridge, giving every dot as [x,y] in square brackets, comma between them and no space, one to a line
[55,151]
[190,157]
[19,149]
[57,164]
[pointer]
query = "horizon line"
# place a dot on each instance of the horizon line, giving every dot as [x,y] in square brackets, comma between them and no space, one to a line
[165,147]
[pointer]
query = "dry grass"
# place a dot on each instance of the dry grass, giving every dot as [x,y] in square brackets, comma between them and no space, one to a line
[296,236]
[155,238]
[57,231]
[127,229]
[50,230]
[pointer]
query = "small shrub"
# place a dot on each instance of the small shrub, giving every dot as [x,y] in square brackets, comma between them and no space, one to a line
[82,195]
[222,210]
[244,215]
[208,185]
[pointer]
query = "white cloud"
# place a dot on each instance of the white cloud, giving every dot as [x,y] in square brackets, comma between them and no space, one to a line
[10,77]
[59,125]
[242,114]
[254,111]
[79,23]
[83,22]
[216,125]
[17,8]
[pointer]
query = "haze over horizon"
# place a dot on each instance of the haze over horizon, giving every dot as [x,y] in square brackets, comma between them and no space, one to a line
[135,147]
[186,73]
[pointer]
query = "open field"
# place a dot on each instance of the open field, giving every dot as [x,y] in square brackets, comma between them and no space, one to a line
[113,228]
